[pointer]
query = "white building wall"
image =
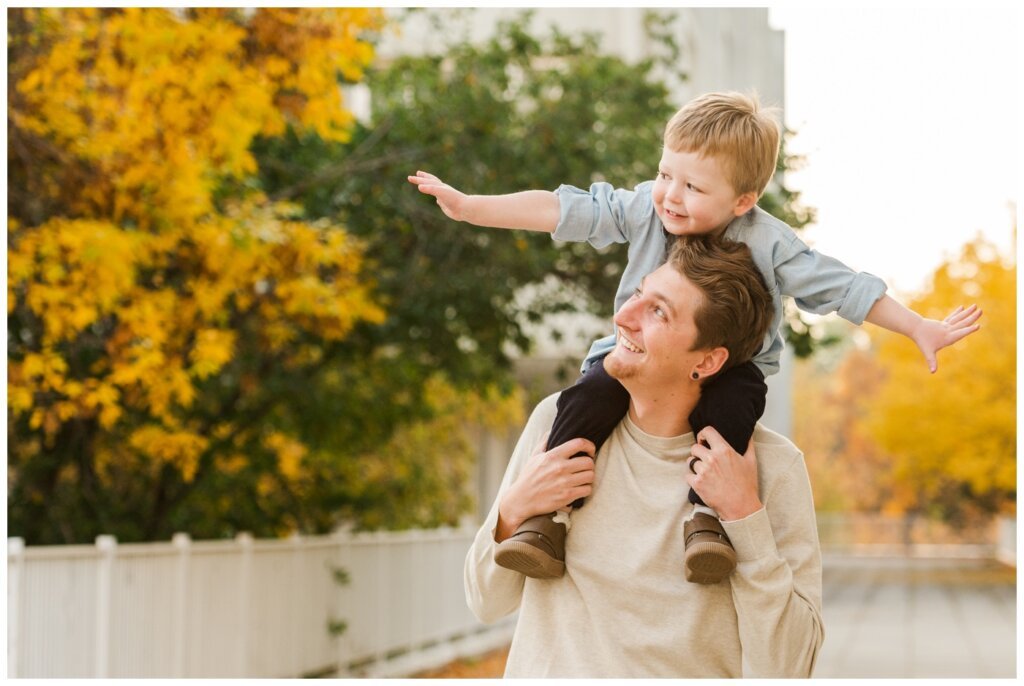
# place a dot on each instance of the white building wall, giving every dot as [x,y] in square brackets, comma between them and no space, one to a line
[722,48]
[734,49]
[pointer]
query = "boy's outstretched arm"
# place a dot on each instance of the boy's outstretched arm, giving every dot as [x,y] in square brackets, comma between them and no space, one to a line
[930,335]
[532,210]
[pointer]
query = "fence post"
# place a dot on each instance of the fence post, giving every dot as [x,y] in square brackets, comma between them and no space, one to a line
[183,543]
[15,555]
[107,546]
[420,571]
[244,540]
[296,636]
[342,536]
[380,539]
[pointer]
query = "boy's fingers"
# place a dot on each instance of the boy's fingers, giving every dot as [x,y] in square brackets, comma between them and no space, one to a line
[956,315]
[963,333]
[422,177]
[960,314]
[436,191]
[970,319]
[430,190]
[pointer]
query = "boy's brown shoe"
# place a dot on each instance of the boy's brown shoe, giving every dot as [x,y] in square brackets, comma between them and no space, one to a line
[537,548]
[710,556]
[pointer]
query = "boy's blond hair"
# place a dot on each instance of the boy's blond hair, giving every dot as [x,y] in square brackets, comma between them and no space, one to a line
[734,128]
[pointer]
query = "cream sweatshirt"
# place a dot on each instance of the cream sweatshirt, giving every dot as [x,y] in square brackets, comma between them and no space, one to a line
[624,607]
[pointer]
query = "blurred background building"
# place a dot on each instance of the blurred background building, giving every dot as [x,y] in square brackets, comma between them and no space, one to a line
[722,48]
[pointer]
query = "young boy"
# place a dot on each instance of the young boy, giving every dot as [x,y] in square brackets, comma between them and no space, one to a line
[719,154]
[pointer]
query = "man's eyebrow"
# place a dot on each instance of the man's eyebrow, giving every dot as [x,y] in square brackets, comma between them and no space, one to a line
[660,297]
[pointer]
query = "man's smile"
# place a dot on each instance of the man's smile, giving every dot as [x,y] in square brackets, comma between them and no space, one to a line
[629,345]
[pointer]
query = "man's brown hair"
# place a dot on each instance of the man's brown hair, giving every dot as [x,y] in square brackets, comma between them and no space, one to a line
[736,308]
[733,128]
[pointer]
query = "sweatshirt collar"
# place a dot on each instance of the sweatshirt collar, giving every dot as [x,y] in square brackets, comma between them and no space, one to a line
[671,448]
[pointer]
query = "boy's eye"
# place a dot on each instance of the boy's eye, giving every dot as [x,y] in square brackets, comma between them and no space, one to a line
[636,292]
[662,175]
[692,187]
[659,313]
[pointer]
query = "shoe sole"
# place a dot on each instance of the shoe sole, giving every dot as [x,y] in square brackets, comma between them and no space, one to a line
[528,560]
[709,563]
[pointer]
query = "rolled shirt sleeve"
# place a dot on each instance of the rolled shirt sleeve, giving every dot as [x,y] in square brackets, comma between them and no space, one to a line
[603,215]
[822,284]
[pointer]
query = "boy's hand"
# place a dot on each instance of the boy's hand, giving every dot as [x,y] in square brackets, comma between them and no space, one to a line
[451,201]
[932,336]
[724,479]
[532,210]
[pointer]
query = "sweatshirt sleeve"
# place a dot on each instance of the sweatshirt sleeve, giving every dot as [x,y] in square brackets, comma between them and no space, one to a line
[493,592]
[822,284]
[777,583]
[602,215]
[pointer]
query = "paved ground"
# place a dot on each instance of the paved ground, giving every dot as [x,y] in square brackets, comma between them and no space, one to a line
[897,618]
[906,618]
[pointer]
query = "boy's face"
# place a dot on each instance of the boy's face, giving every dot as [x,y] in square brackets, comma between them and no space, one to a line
[692,195]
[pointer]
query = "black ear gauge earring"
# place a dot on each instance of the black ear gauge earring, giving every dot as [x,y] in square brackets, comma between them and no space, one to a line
[695,376]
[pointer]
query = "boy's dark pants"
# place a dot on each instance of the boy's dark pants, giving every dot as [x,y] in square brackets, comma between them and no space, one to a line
[732,403]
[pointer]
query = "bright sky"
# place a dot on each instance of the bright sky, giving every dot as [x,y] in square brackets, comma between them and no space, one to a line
[910,125]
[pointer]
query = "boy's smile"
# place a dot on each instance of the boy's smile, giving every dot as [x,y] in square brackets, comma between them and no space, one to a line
[692,195]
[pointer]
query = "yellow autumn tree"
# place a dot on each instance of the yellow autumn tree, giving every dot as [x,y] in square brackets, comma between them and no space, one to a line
[951,437]
[833,391]
[157,305]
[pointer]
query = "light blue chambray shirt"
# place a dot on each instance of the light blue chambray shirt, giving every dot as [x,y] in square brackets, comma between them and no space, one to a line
[819,283]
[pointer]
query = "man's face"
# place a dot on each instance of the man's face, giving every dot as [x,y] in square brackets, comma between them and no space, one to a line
[692,195]
[656,332]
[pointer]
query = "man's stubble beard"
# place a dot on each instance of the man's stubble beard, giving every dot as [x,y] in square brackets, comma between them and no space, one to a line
[619,370]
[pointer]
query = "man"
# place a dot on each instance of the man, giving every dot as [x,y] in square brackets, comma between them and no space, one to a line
[623,607]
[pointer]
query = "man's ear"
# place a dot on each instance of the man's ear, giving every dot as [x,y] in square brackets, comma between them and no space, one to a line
[712,362]
[744,203]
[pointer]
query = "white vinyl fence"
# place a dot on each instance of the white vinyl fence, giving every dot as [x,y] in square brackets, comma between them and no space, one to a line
[243,607]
